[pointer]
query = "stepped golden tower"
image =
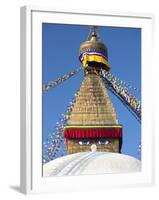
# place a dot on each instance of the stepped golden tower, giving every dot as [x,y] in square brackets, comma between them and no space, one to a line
[92,122]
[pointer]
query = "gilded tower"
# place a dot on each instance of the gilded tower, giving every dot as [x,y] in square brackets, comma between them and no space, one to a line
[92,122]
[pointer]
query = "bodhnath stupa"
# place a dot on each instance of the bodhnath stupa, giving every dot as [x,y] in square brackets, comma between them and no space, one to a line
[93,134]
[93,119]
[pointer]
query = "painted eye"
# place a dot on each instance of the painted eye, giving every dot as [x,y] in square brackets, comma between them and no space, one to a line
[102,142]
[85,142]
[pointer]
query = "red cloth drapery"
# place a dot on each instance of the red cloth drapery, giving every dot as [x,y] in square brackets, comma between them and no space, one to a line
[114,132]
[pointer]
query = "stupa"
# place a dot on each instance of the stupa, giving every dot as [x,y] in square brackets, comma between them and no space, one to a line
[93,120]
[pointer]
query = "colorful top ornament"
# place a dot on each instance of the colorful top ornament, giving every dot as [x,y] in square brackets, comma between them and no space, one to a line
[93,51]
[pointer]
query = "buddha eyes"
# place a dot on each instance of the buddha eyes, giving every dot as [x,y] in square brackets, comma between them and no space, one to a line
[84,142]
[102,142]
[87,142]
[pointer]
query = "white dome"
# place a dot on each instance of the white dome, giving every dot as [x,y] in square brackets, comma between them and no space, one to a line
[91,163]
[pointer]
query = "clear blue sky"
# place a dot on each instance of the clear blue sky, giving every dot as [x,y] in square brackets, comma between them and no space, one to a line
[60,56]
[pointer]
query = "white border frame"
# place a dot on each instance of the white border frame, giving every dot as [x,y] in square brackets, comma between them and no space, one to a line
[31,100]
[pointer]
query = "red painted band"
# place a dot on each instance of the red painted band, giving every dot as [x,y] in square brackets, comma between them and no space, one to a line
[93,133]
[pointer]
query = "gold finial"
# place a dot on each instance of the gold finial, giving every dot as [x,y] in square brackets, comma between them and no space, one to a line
[92,32]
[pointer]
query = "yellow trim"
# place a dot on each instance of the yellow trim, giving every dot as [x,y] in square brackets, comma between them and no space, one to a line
[93,127]
[95,58]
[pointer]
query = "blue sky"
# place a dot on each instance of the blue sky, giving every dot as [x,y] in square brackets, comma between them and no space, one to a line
[60,56]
